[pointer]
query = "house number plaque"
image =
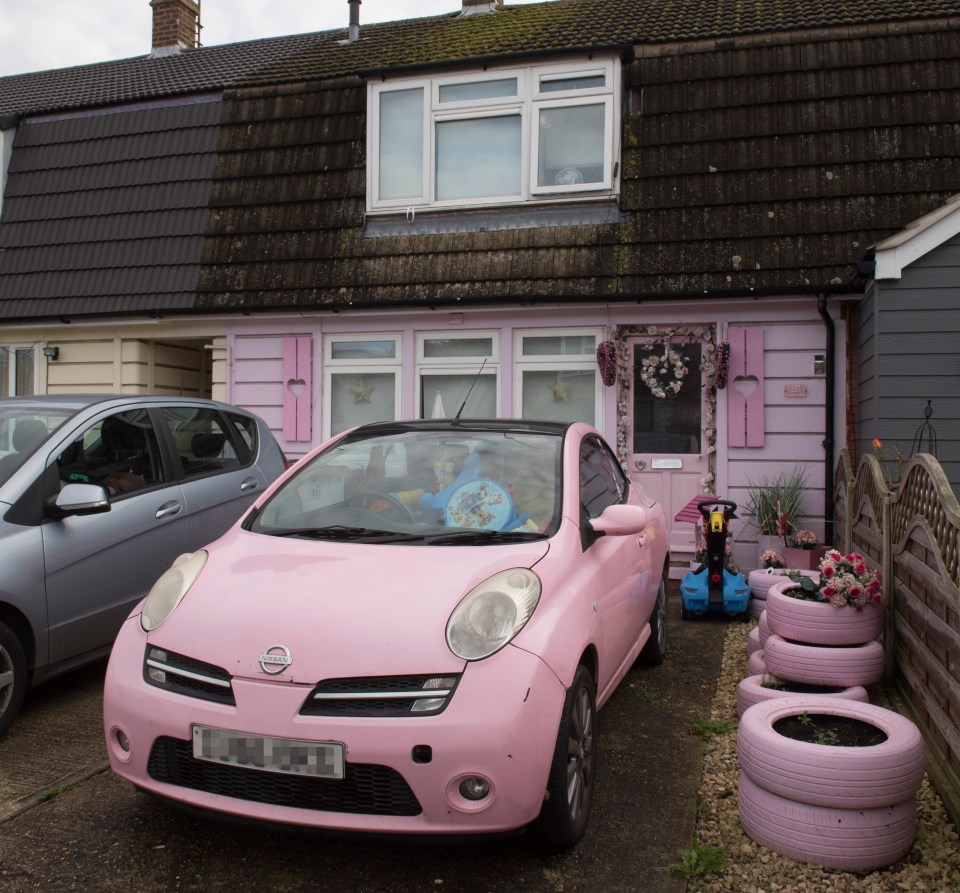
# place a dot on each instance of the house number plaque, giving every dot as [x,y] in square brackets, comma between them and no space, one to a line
[667,463]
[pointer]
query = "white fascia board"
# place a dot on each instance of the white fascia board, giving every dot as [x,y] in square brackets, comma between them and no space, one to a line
[917,239]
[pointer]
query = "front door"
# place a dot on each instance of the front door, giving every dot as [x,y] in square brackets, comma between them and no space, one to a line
[667,449]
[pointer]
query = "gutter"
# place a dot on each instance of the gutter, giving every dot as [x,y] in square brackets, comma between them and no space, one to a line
[829,426]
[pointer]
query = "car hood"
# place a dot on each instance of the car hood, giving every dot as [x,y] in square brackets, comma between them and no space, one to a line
[342,609]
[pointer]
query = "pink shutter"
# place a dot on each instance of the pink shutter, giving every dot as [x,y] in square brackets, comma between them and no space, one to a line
[745,423]
[297,388]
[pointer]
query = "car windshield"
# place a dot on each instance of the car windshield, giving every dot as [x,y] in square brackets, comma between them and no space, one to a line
[22,429]
[426,487]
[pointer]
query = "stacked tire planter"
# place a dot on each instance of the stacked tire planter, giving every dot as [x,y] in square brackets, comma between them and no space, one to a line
[851,808]
[817,644]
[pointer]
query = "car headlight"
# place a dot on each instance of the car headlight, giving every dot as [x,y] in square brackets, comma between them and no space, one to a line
[491,614]
[170,589]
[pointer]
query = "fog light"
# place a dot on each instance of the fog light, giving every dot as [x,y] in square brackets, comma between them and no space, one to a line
[474,788]
[123,741]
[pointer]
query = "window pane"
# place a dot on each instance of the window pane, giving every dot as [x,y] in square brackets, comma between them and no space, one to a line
[202,438]
[560,396]
[572,83]
[458,347]
[559,345]
[401,144]
[120,453]
[478,157]
[667,424]
[571,145]
[358,398]
[363,350]
[24,371]
[5,355]
[453,390]
[479,90]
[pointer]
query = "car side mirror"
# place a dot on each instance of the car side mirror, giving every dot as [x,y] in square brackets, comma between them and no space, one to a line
[620,520]
[78,499]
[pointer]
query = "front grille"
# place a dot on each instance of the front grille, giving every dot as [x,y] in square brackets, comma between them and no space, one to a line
[186,676]
[378,696]
[364,789]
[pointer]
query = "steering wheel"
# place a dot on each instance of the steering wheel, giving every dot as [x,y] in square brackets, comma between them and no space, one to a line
[381,503]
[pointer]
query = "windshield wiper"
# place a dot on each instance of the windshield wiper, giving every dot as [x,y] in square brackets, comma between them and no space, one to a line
[344,533]
[481,537]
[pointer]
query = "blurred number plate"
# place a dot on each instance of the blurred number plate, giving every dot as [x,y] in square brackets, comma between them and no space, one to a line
[286,755]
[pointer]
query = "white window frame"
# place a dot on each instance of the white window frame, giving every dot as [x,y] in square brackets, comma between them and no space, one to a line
[457,366]
[8,355]
[527,104]
[333,367]
[557,363]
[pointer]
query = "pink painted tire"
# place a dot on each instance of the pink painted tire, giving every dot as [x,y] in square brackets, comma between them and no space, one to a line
[854,840]
[764,628]
[757,606]
[756,663]
[760,581]
[753,641]
[751,690]
[824,665]
[819,623]
[837,776]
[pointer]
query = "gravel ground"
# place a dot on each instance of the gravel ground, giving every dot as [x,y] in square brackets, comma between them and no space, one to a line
[932,866]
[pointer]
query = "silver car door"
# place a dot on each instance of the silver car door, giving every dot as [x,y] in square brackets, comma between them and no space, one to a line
[220,479]
[99,566]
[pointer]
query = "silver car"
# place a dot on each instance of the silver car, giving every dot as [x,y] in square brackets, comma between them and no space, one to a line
[98,495]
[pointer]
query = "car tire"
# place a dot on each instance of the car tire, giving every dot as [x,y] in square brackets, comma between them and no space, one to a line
[853,840]
[655,650]
[831,775]
[13,676]
[566,809]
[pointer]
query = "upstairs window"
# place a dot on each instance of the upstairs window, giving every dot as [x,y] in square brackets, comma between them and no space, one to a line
[504,136]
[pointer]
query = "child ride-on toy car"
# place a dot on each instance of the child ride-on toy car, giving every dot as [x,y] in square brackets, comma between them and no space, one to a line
[714,587]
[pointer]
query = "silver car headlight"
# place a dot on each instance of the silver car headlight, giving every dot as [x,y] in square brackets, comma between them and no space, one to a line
[491,614]
[170,589]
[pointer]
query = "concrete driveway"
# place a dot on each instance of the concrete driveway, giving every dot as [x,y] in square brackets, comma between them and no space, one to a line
[67,823]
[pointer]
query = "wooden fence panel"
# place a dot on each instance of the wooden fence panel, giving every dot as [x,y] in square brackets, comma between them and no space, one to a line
[912,532]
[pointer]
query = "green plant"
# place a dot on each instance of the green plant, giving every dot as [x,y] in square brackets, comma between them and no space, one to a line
[804,719]
[700,859]
[774,503]
[826,736]
[710,728]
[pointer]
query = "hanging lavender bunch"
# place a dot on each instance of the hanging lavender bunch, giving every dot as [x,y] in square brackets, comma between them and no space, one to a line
[722,365]
[607,361]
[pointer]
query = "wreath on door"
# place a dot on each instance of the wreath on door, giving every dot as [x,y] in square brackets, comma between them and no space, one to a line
[664,375]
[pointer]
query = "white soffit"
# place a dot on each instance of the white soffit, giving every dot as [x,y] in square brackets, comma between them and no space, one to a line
[917,239]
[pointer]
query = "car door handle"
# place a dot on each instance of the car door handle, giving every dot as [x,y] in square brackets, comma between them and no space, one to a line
[249,484]
[168,510]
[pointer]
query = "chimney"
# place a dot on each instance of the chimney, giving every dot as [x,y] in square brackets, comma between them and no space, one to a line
[354,33]
[472,7]
[176,26]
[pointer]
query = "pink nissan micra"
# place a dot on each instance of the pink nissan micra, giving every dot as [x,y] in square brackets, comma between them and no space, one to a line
[410,632]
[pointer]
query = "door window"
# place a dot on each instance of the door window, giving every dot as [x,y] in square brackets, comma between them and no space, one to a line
[667,399]
[602,482]
[203,440]
[119,452]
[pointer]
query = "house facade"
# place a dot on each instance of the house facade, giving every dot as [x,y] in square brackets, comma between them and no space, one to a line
[454,214]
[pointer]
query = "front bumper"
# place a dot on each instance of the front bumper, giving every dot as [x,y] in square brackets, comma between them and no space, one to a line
[501,724]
